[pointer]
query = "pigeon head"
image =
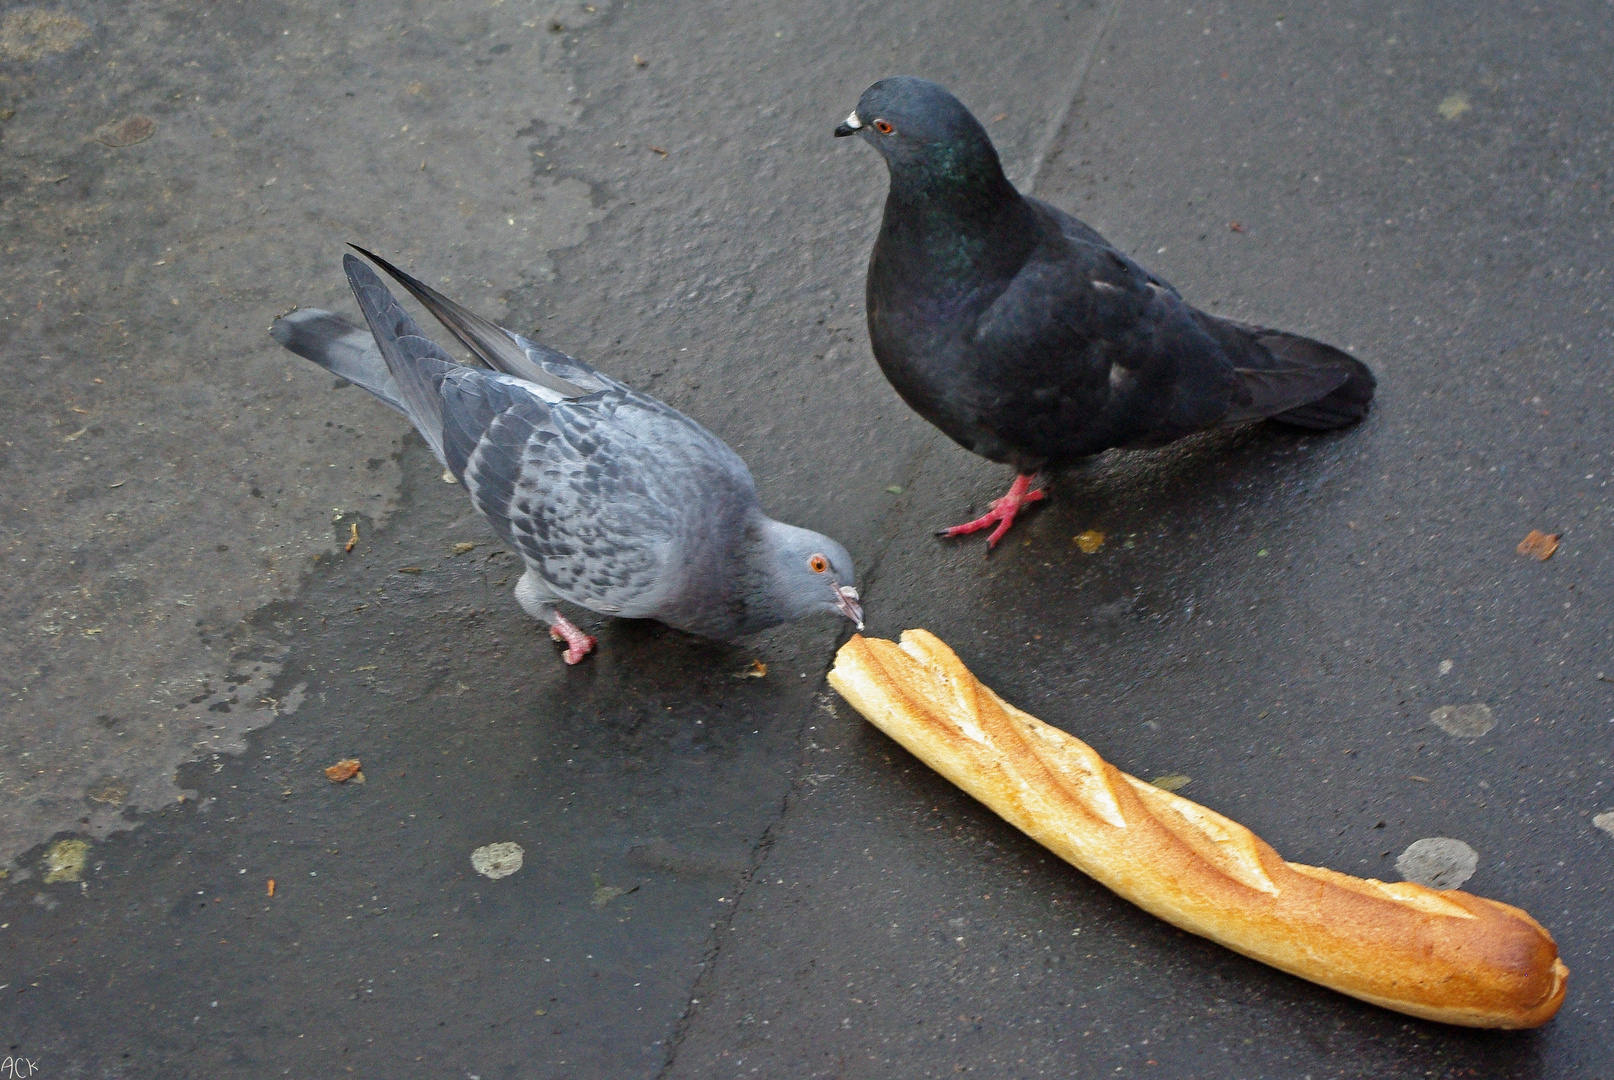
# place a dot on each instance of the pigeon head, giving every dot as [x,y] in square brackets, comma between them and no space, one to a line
[926,135]
[805,573]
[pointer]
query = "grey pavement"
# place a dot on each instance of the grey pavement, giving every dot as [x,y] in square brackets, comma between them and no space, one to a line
[730,876]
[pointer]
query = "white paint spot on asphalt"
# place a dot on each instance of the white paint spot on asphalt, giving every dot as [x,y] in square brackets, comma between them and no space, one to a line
[1605,821]
[1445,667]
[497,860]
[1438,862]
[1463,721]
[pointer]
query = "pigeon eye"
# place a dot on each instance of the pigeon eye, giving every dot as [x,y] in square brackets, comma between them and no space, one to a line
[818,564]
[883,127]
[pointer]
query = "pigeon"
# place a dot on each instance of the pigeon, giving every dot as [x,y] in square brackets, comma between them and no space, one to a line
[615,501]
[1031,340]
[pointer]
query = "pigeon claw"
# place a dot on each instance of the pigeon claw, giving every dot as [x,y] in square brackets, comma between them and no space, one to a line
[578,644]
[1002,512]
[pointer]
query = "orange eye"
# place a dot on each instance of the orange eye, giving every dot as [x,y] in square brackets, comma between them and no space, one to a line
[818,564]
[883,127]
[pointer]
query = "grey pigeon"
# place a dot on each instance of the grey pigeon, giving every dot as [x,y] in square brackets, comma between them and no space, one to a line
[1028,338]
[614,501]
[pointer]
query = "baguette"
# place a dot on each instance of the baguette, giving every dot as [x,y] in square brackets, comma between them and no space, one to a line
[1446,956]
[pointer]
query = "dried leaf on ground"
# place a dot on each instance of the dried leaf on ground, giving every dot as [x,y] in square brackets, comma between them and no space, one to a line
[110,790]
[270,887]
[352,539]
[1453,105]
[126,132]
[1438,862]
[343,771]
[462,547]
[1089,542]
[1465,721]
[1539,545]
[1171,782]
[497,860]
[756,671]
[30,34]
[604,894]
[65,860]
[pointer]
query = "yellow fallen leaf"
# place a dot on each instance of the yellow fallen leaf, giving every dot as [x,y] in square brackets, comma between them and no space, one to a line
[342,771]
[1089,541]
[1539,545]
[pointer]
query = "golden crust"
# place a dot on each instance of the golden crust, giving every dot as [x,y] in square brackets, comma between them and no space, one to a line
[1447,956]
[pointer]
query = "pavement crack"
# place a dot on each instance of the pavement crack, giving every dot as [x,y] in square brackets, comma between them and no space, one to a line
[886,534]
[759,858]
[1056,125]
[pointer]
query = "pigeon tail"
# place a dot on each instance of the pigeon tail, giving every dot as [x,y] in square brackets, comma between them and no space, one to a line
[416,362]
[1345,404]
[1297,380]
[345,350]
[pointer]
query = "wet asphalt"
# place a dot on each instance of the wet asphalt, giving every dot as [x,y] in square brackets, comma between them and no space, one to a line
[728,875]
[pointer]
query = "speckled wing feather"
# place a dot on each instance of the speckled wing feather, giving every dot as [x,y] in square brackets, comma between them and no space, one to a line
[596,492]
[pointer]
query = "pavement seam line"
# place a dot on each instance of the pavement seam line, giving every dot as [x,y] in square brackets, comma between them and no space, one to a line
[759,856]
[1056,126]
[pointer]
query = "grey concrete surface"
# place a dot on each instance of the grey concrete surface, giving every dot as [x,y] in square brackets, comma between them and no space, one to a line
[735,877]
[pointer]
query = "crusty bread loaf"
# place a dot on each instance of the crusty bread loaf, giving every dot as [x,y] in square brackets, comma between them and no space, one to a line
[1446,956]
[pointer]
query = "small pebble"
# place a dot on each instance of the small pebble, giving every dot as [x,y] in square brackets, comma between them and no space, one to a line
[1438,862]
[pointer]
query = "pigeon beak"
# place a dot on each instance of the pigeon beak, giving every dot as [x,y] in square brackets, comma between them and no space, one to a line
[846,600]
[850,126]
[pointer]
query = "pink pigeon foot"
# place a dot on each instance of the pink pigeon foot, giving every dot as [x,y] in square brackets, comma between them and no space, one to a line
[578,644]
[1002,512]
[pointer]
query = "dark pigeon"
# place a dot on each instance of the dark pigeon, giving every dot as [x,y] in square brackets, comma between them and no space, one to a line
[1030,339]
[614,501]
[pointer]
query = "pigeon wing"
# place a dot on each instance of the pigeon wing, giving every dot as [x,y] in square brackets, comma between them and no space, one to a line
[609,500]
[1074,228]
[1083,350]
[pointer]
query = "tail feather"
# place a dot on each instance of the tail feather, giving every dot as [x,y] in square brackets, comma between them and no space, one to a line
[498,348]
[1295,380]
[337,345]
[416,362]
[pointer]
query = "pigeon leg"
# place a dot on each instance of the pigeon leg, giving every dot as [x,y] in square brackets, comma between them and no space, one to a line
[1002,512]
[578,644]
